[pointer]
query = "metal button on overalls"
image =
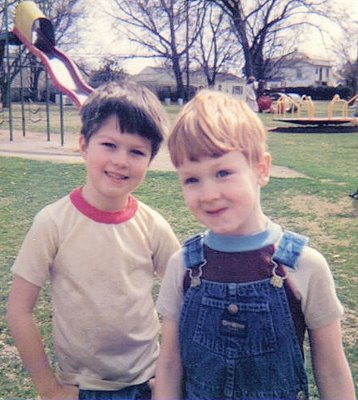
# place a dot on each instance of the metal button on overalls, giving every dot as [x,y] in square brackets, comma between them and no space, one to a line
[233,309]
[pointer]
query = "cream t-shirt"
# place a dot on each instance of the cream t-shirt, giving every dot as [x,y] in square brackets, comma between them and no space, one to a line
[101,268]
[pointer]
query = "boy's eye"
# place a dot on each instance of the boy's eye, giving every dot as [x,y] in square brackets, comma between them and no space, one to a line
[138,152]
[191,180]
[222,173]
[109,145]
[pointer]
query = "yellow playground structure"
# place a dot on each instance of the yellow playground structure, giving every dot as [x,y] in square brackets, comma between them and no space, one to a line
[303,111]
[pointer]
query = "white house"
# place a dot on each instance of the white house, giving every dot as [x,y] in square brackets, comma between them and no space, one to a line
[157,79]
[230,83]
[162,81]
[301,70]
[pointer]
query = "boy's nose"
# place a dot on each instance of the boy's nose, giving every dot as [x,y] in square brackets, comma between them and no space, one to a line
[120,158]
[208,192]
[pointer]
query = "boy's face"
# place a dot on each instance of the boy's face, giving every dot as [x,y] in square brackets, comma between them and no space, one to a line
[116,164]
[223,193]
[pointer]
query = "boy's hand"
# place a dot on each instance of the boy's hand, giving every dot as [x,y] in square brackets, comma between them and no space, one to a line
[62,392]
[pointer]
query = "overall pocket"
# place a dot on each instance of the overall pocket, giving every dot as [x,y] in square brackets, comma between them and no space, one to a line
[237,329]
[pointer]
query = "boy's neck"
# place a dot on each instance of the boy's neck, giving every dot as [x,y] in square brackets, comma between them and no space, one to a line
[102,203]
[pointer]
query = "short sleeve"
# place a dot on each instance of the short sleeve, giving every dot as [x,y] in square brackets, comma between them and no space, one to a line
[170,297]
[314,285]
[167,245]
[163,241]
[38,250]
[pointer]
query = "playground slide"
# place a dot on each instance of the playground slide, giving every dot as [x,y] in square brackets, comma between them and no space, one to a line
[37,33]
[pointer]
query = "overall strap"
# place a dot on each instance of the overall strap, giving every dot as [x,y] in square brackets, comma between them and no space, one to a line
[194,251]
[287,252]
[289,249]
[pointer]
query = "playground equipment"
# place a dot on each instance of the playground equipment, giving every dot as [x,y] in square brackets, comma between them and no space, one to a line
[353,102]
[285,104]
[34,112]
[36,32]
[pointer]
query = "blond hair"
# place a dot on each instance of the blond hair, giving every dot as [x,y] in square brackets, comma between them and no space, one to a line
[214,123]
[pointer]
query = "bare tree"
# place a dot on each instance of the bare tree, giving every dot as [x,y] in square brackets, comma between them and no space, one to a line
[349,76]
[6,40]
[216,46]
[346,54]
[64,14]
[109,70]
[264,27]
[165,29]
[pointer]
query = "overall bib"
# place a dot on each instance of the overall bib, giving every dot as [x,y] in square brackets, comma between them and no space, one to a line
[238,340]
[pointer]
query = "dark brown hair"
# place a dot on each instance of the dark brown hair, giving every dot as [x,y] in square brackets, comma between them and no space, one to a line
[137,109]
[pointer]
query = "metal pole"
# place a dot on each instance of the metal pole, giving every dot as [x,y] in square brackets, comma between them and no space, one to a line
[22,96]
[8,88]
[61,121]
[47,108]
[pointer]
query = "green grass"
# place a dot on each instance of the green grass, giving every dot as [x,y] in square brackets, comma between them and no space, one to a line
[317,205]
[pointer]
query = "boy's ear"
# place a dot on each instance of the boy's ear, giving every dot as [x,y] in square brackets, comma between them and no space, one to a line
[83,146]
[263,169]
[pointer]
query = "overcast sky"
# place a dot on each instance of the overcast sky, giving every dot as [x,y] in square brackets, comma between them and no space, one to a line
[99,38]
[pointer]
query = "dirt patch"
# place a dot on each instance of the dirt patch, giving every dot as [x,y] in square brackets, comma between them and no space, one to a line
[35,146]
[341,214]
[309,204]
[322,211]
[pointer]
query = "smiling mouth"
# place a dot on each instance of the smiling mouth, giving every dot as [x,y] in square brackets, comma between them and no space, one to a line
[215,212]
[116,176]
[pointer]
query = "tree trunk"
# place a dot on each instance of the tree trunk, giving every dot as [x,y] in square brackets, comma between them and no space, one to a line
[178,78]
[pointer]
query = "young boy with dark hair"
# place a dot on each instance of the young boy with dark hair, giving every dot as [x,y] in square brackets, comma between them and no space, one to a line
[100,248]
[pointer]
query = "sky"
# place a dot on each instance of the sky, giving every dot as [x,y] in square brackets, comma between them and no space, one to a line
[99,38]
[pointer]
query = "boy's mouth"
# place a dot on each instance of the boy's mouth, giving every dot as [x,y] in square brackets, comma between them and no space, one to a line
[116,176]
[215,212]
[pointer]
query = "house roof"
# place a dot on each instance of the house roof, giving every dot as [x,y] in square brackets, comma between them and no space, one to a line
[304,58]
[154,75]
[162,75]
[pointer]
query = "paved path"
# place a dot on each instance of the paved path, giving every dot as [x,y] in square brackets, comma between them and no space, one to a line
[35,146]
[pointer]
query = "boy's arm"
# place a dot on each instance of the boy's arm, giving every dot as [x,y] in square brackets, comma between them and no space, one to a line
[330,366]
[168,376]
[22,300]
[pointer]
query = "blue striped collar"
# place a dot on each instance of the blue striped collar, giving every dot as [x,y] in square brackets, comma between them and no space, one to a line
[234,244]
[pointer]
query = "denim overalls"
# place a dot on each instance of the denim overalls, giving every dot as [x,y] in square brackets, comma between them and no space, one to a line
[237,339]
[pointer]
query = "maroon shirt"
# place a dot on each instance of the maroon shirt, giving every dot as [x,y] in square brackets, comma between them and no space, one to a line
[249,266]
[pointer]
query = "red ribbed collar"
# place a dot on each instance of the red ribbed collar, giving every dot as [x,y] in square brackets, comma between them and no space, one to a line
[104,217]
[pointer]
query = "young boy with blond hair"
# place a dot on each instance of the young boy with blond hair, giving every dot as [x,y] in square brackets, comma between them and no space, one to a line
[238,299]
[100,248]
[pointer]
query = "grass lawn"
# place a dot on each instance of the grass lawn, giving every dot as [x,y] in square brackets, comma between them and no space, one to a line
[317,206]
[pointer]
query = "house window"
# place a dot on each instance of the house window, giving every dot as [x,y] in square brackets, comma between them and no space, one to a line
[237,90]
[219,87]
[327,73]
[299,74]
[320,70]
